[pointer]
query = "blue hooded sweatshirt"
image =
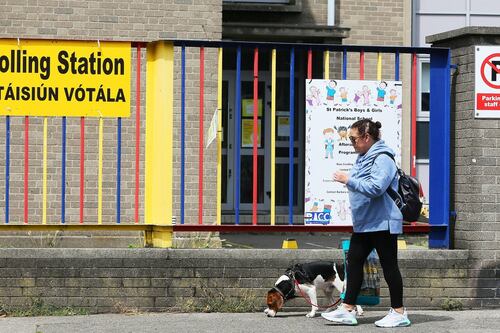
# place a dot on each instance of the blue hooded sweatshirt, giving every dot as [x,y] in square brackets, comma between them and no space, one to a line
[372,207]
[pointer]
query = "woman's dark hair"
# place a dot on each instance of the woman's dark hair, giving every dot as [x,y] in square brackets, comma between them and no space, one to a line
[366,126]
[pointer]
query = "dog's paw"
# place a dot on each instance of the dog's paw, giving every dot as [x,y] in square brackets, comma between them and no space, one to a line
[311,314]
[270,313]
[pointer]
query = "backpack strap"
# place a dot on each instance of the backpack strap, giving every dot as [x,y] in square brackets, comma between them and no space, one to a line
[393,194]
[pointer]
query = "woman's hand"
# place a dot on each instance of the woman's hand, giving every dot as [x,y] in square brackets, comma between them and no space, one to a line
[341,177]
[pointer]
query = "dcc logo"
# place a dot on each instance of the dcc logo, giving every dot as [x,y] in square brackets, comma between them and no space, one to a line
[317,217]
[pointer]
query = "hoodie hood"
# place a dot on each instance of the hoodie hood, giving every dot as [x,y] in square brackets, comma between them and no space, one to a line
[377,148]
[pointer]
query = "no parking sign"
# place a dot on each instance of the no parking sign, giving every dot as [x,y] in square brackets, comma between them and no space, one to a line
[487,94]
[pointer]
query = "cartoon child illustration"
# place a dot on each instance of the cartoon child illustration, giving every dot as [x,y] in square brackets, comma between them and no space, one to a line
[381,91]
[357,97]
[342,132]
[328,133]
[342,210]
[327,208]
[330,90]
[366,95]
[392,97]
[313,98]
[343,94]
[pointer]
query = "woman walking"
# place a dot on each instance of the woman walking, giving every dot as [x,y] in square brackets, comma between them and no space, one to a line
[376,221]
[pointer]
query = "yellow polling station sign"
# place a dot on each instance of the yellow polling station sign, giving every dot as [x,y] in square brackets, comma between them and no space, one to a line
[64,78]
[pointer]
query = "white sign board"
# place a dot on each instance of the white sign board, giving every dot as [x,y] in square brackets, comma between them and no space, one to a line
[332,106]
[487,82]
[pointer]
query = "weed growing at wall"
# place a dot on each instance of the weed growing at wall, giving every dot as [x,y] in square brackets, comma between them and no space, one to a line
[214,300]
[451,305]
[38,307]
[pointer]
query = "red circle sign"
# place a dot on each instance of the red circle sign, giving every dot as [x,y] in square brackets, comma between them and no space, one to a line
[493,67]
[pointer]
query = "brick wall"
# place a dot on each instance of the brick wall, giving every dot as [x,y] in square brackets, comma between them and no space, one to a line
[122,20]
[372,23]
[106,280]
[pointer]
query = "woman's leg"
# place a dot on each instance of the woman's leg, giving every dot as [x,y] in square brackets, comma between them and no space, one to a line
[359,249]
[386,245]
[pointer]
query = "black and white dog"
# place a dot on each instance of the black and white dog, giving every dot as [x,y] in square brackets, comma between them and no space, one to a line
[309,277]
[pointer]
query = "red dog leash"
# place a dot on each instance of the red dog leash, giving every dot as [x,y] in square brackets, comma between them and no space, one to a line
[308,301]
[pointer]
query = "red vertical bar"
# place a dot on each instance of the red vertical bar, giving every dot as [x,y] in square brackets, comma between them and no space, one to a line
[413,167]
[309,64]
[82,166]
[362,65]
[200,161]
[255,131]
[26,166]
[137,130]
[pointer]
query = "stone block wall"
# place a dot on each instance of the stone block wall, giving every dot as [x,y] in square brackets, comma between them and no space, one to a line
[110,280]
[475,159]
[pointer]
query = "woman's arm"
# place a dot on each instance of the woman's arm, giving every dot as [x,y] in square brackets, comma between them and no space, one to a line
[382,173]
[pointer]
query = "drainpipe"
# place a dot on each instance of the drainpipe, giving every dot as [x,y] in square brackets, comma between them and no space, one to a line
[331,12]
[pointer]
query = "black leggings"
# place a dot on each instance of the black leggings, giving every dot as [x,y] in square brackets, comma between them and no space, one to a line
[386,245]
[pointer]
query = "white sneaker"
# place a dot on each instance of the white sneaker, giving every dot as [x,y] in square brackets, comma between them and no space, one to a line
[394,319]
[341,316]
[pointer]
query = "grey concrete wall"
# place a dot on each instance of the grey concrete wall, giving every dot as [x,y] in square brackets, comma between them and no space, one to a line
[107,280]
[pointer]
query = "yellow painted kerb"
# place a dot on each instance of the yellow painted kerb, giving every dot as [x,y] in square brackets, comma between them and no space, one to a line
[159,122]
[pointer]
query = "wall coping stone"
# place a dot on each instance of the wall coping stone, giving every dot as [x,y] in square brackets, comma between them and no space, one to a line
[298,254]
[462,32]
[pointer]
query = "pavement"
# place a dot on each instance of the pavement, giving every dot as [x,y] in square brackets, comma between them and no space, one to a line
[429,321]
[305,240]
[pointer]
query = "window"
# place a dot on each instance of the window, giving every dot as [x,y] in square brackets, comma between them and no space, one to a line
[423,114]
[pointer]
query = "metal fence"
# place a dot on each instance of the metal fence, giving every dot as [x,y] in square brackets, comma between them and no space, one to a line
[158,211]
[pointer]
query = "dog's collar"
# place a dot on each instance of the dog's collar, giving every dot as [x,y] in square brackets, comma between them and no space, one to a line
[279,292]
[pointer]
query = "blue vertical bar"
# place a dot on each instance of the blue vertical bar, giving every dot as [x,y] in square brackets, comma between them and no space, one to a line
[118,169]
[7,166]
[237,137]
[396,66]
[344,65]
[183,126]
[292,139]
[439,154]
[63,177]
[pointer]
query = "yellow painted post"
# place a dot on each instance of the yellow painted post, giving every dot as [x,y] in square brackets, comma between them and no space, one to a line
[273,138]
[44,179]
[290,243]
[159,140]
[99,173]
[326,64]
[219,137]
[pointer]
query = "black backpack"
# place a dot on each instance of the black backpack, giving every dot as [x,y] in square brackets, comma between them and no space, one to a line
[408,196]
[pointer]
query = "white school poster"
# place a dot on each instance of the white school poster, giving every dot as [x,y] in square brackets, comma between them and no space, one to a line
[332,106]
